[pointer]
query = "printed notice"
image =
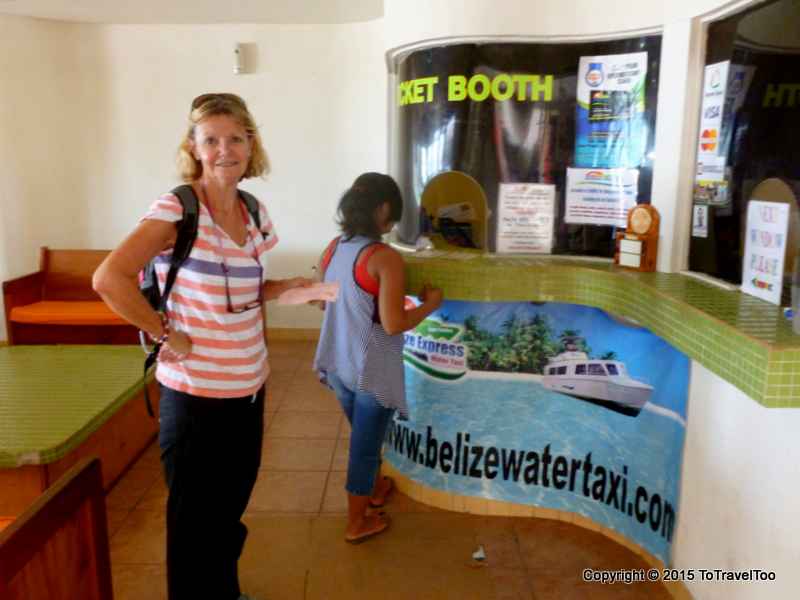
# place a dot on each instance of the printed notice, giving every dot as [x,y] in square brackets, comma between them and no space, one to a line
[601,196]
[700,221]
[610,127]
[526,217]
[764,249]
[710,163]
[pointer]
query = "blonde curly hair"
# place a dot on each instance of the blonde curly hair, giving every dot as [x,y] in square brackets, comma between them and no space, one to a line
[207,105]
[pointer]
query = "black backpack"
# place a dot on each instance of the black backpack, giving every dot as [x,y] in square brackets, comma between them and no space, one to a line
[187,234]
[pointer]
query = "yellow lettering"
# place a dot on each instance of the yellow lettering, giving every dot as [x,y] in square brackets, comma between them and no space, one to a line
[503,80]
[456,87]
[486,87]
[794,91]
[501,87]
[522,81]
[428,83]
[415,91]
[546,87]
[773,96]
[405,92]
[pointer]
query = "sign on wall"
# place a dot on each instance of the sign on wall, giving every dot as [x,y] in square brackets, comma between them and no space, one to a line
[610,127]
[526,217]
[600,196]
[764,249]
[551,405]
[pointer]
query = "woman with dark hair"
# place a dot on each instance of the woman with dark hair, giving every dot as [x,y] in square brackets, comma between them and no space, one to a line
[360,350]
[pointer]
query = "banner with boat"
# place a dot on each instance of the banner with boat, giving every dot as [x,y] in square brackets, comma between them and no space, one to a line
[554,405]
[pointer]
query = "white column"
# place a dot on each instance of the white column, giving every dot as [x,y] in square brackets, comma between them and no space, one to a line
[680,82]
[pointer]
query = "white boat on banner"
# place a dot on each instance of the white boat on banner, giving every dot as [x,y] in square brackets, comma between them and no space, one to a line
[603,382]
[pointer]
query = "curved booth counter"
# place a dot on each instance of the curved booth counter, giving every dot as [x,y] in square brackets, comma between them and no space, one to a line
[496,429]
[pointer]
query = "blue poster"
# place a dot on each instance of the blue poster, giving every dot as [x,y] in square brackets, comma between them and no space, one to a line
[610,129]
[558,406]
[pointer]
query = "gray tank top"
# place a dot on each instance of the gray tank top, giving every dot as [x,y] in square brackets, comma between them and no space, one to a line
[353,343]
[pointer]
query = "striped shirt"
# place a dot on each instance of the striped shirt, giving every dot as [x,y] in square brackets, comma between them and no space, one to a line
[229,355]
[352,343]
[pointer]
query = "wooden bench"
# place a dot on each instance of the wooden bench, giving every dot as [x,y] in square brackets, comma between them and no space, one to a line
[57,305]
[58,548]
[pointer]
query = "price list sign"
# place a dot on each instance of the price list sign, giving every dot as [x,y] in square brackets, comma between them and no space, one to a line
[526,217]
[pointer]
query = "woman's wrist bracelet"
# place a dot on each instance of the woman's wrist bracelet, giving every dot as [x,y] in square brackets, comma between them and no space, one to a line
[165,329]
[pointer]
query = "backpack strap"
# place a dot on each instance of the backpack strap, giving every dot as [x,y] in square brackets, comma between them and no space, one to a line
[252,207]
[187,234]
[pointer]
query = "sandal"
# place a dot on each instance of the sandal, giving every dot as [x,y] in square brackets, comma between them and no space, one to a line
[383,518]
[386,494]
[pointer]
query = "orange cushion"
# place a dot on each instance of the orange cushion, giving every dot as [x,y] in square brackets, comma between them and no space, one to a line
[66,313]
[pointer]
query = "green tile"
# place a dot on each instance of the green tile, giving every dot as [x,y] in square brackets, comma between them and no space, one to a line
[740,338]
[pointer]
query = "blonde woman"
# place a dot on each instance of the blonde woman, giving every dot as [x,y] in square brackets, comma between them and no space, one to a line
[213,364]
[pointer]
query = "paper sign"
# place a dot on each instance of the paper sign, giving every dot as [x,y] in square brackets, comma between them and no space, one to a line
[610,128]
[715,82]
[601,196]
[526,216]
[327,292]
[764,249]
[700,221]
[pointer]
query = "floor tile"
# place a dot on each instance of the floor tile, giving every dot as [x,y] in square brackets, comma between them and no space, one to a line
[276,557]
[510,584]
[114,520]
[131,487]
[306,425]
[341,455]
[136,582]
[288,492]
[344,432]
[141,539]
[310,397]
[156,498]
[150,458]
[335,500]
[293,454]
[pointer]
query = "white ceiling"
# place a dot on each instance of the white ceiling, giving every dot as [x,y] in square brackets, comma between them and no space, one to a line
[198,11]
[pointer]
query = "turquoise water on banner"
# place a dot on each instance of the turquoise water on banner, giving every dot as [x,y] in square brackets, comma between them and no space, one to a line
[523,415]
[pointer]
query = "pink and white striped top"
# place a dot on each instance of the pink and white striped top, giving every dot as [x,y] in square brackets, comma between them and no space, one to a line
[229,354]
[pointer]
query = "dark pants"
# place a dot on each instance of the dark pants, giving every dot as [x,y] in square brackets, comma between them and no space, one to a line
[211,452]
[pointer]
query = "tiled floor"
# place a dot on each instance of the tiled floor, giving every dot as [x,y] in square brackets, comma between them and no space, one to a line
[296,551]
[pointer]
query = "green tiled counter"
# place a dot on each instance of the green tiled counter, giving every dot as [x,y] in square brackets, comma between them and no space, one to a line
[744,340]
[52,398]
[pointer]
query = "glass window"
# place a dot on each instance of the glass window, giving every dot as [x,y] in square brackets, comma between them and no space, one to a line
[596,369]
[551,371]
[562,370]
[612,369]
[580,370]
[497,140]
[748,133]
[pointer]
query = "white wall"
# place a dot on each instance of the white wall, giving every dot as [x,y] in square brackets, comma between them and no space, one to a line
[43,195]
[741,481]
[317,94]
[410,21]
[94,115]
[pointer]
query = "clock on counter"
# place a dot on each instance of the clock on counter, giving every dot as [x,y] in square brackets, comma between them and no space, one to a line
[637,246]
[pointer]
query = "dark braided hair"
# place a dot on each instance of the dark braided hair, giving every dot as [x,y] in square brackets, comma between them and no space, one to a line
[356,212]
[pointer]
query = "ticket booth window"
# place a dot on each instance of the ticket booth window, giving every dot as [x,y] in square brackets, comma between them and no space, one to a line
[748,141]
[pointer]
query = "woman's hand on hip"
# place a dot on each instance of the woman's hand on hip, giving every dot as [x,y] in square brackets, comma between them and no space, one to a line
[176,348]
